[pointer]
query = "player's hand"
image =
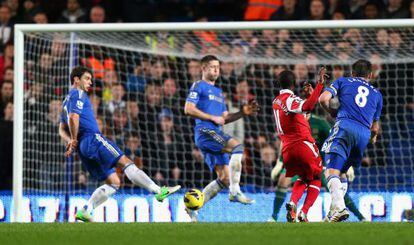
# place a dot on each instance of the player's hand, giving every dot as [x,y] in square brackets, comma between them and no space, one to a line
[322,76]
[276,170]
[218,120]
[307,89]
[251,108]
[350,174]
[71,147]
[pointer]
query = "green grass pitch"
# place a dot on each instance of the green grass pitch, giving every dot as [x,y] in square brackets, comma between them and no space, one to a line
[208,233]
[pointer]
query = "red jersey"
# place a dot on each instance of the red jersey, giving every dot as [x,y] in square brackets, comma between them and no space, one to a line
[290,116]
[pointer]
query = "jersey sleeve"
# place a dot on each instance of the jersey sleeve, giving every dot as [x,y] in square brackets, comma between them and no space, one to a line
[334,87]
[294,104]
[194,94]
[379,108]
[76,102]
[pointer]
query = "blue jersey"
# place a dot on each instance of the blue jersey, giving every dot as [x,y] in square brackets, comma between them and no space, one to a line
[359,101]
[208,99]
[77,101]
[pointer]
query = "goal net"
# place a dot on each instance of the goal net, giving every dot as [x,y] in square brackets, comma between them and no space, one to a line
[142,77]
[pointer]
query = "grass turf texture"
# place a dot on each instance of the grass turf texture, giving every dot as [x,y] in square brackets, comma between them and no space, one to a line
[207,233]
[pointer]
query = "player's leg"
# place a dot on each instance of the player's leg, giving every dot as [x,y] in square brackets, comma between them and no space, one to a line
[280,193]
[99,196]
[298,189]
[314,187]
[235,166]
[215,186]
[335,164]
[140,178]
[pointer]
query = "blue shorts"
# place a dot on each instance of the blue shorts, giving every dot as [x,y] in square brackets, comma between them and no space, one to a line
[211,143]
[345,145]
[99,155]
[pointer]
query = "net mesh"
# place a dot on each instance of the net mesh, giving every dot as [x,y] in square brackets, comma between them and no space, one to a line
[142,79]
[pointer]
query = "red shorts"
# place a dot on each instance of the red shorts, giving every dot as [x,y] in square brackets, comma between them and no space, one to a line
[302,159]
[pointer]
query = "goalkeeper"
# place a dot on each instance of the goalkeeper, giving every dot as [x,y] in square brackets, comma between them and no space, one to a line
[320,131]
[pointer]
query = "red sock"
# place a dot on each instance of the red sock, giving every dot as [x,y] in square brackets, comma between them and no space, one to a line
[314,187]
[297,191]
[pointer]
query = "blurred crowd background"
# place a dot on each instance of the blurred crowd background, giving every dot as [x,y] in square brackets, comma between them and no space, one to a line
[138,97]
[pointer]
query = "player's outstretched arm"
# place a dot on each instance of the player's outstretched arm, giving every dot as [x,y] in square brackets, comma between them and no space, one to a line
[192,110]
[73,130]
[248,109]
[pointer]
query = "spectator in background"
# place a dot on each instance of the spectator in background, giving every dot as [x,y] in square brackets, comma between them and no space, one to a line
[40,18]
[301,73]
[243,93]
[132,110]
[30,10]
[411,15]
[189,48]
[7,57]
[105,88]
[298,49]
[263,170]
[397,49]
[6,25]
[246,40]
[52,169]
[171,98]
[133,149]
[6,146]
[73,13]
[288,11]
[158,71]
[381,44]
[337,72]
[120,126]
[193,70]
[6,95]
[372,11]
[357,8]
[317,10]
[8,74]
[117,99]
[136,82]
[338,15]
[96,104]
[97,15]
[396,10]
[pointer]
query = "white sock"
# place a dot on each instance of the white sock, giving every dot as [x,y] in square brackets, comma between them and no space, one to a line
[100,195]
[140,178]
[235,173]
[344,183]
[211,190]
[335,188]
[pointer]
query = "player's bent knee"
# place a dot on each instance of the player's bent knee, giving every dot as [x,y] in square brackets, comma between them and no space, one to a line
[238,149]
[124,161]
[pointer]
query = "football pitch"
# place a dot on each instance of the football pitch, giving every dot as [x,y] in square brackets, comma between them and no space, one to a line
[207,233]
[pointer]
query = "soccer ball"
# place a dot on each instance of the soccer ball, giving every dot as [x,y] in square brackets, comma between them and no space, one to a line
[194,199]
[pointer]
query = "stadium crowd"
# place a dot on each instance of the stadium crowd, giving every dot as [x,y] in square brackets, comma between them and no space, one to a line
[139,100]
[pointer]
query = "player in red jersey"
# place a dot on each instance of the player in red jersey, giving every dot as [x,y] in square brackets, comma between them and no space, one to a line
[299,151]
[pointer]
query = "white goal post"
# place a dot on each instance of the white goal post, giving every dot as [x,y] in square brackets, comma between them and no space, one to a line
[21,30]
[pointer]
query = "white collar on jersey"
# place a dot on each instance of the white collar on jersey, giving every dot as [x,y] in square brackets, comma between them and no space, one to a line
[286,91]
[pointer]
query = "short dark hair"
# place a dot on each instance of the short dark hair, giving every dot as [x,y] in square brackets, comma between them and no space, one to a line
[206,59]
[286,79]
[78,72]
[361,68]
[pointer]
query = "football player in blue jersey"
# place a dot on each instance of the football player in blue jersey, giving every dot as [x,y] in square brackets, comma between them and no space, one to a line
[79,129]
[357,123]
[205,102]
